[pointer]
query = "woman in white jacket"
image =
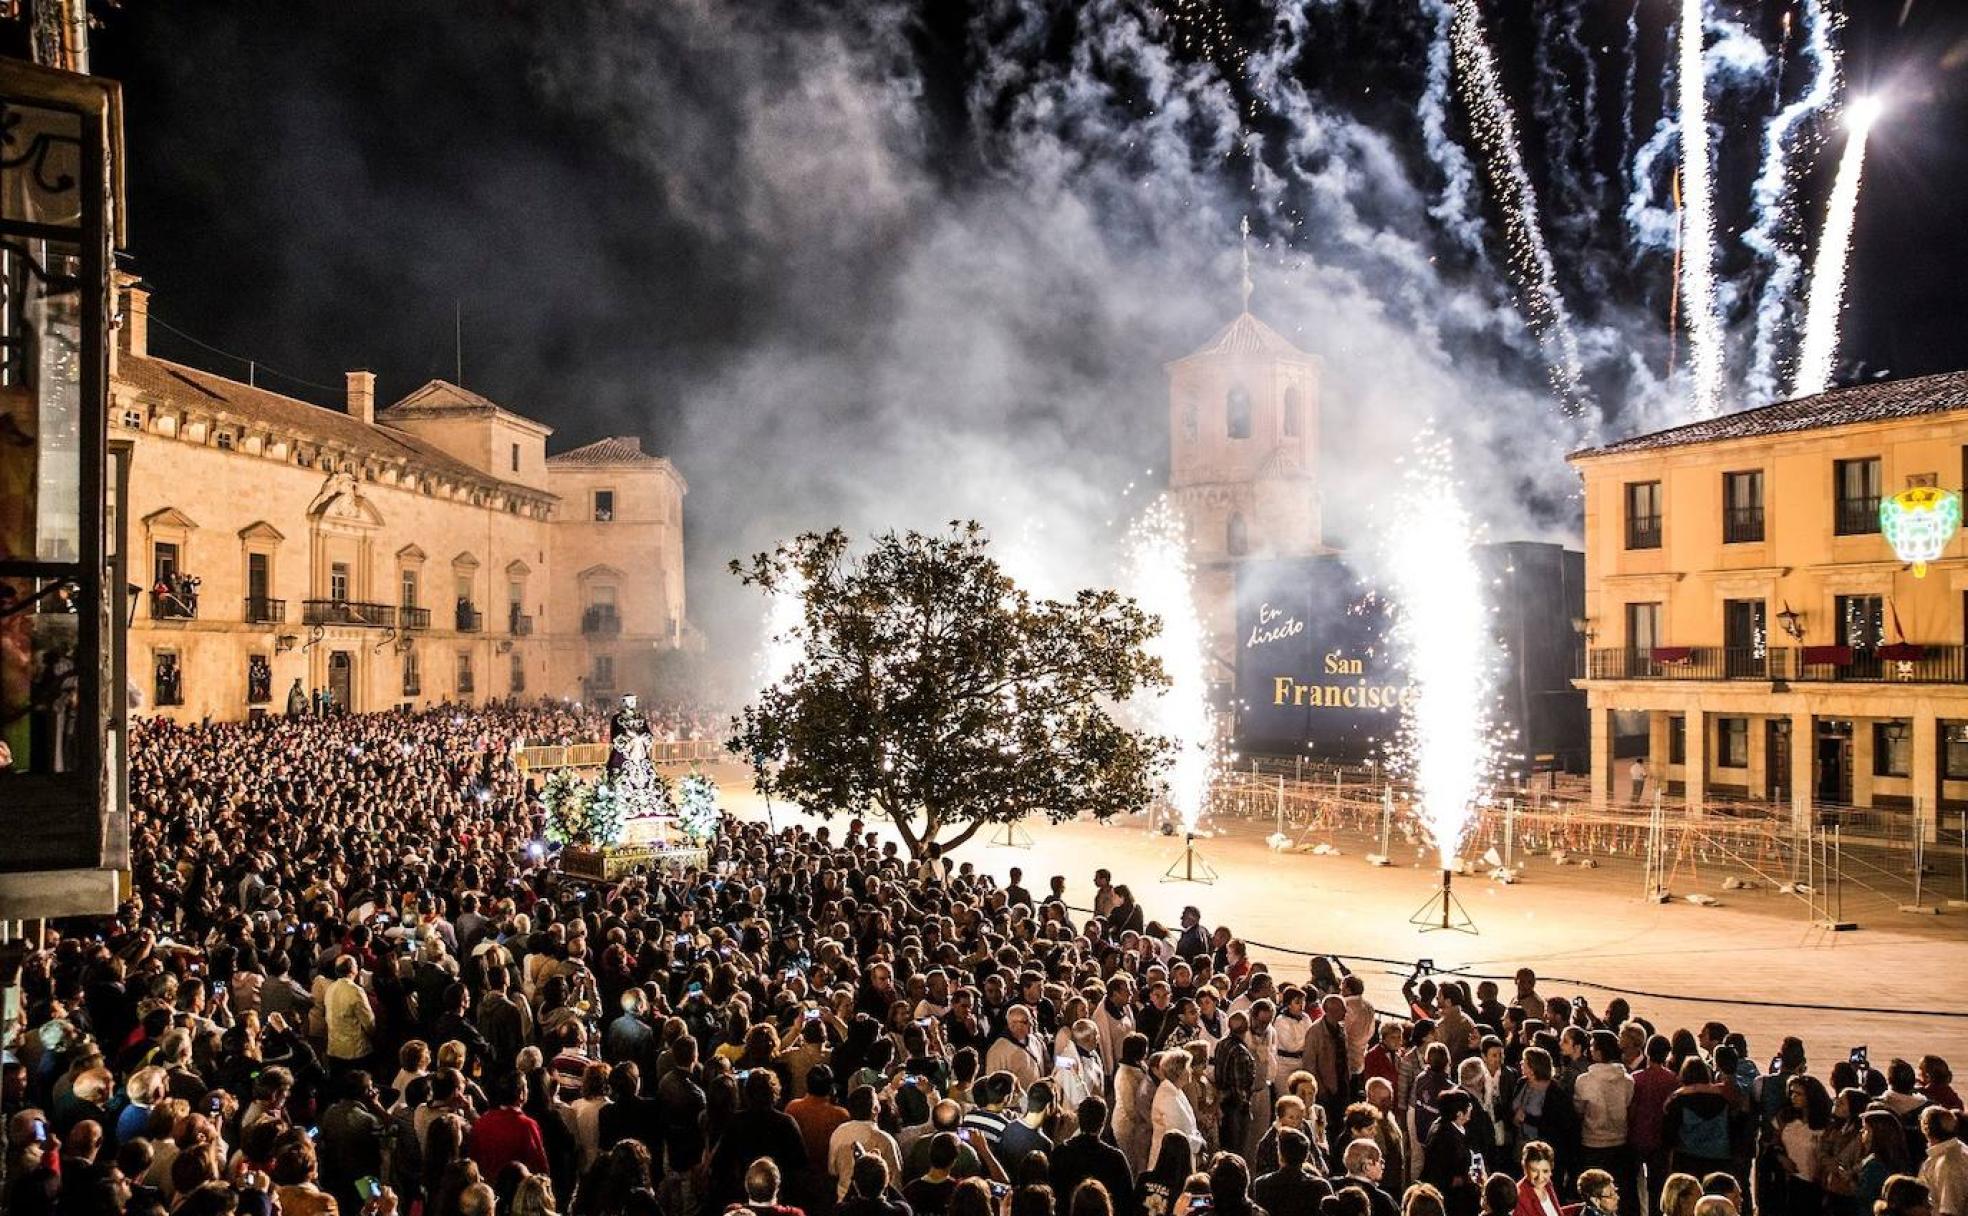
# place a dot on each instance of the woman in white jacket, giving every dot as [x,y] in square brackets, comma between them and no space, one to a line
[1134,1096]
[1172,1112]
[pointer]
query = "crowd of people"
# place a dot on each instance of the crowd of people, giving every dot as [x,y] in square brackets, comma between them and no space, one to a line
[350,980]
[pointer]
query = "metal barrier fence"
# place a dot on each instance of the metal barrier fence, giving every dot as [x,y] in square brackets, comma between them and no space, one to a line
[595,755]
[1839,864]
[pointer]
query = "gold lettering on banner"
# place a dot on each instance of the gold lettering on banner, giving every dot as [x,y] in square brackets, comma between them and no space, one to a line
[1299,694]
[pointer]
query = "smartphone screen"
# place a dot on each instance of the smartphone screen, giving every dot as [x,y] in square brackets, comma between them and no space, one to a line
[368,1188]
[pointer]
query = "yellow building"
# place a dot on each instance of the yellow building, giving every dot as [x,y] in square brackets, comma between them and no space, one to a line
[1746,617]
[427,552]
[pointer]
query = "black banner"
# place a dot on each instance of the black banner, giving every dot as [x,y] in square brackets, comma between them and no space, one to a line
[1315,673]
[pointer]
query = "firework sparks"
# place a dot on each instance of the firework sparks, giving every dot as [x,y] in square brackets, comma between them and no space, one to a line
[1496,131]
[784,644]
[1769,235]
[1827,296]
[1160,579]
[1698,217]
[1448,745]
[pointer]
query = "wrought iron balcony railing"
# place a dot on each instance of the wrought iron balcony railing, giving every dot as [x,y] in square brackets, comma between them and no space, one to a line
[1742,525]
[348,612]
[601,619]
[176,605]
[409,617]
[470,619]
[1643,532]
[1902,663]
[1856,516]
[263,611]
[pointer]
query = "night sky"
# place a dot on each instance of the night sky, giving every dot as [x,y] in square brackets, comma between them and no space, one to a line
[318,186]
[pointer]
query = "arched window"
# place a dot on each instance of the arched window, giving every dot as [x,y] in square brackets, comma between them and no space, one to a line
[1237,413]
[1292,421]
[1238,539]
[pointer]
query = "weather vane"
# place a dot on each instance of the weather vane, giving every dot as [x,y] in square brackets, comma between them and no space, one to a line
[1244,227]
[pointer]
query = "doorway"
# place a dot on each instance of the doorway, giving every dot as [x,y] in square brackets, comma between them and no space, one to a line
[1834,756]
[341,670]
[1776,759]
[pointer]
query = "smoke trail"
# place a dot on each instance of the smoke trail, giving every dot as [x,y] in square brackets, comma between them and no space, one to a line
[1496,131]
[1455,208]
[1442,622]
[1827,297]
[1630,85]
[1698,218]
[1771,235]
[1160,580]
[784,643]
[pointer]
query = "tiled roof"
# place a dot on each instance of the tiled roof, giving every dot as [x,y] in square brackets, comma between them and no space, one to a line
[1882,401]
[188,387]
[441,397]
[615,450]
[1248,336]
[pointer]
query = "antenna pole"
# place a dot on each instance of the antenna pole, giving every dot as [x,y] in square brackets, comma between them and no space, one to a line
[458,340]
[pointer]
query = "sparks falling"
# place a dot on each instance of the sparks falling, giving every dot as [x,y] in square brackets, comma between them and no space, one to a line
[784,644]
[1495,130]
[1161,581]
[1770,236]
[1442,625]
[1698,218]
[1827,298]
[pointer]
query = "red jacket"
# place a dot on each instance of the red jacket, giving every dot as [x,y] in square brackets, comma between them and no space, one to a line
[503,1135]
[1528,1203]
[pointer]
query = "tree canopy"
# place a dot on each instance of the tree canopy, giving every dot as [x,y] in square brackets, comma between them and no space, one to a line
[933,692]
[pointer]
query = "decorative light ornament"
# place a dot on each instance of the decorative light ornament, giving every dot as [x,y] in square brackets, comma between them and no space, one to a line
[1919,523]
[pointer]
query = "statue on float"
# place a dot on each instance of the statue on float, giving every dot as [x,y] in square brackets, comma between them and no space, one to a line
[648,810]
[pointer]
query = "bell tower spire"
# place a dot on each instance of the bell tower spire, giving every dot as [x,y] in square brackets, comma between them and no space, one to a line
[1244,228]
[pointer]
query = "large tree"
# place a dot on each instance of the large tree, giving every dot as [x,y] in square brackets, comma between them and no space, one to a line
[931,691]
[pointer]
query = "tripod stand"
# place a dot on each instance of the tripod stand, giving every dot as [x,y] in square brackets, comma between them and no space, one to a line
[1193,866]
[1443,911]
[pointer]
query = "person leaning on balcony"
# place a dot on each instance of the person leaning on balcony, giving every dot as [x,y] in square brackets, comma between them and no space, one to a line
[1637,774]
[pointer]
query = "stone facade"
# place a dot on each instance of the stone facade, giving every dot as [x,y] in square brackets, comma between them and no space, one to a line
[424,553]
[1751,632]
[1243,461]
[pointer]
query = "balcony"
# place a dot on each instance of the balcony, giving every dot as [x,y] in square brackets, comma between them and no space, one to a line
[177,602]
[411,617]
[1643,532]
[413,686]
[348,612]
[263,611]
[470,619]
[600,620]
[1899,664]
[1856,516]
[519,624]
[465,684]
[1742,525]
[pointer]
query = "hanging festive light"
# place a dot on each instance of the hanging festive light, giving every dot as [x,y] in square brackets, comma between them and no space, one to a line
[1919,523]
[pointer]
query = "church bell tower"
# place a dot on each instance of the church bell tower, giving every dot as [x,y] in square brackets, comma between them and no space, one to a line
[1243,458]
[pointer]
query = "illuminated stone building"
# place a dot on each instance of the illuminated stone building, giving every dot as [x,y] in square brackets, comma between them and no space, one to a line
[429,551]
[1752,634]
[1243,461]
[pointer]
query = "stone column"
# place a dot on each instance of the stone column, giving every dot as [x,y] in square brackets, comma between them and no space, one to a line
[1926,770]
[1694,774]
[1759,758]
[1803,767]
[1862,761]
[1602,755]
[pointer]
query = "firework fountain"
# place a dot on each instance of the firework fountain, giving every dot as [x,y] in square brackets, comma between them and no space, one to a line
[784,643]
[1160,579]
[1827,296]
[1442,625]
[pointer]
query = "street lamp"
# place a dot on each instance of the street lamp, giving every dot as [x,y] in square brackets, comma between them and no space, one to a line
[1792,622]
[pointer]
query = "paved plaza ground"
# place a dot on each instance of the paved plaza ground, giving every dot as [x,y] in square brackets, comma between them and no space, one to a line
[1590,926]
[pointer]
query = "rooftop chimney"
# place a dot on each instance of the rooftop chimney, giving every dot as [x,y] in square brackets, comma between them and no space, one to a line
[134,337]
[362,397]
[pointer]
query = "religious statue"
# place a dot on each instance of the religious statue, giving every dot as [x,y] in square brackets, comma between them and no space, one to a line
[631,766]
